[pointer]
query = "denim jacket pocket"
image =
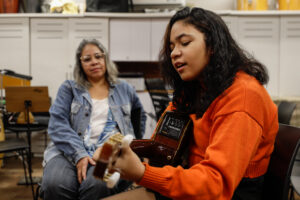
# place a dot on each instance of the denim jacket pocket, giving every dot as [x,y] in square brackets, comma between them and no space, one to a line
[75,106]
[126,111]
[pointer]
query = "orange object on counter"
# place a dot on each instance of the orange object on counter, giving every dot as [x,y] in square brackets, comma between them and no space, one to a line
[289,4]
[283,4]
[262,5]
[9,6]
[294,5]
[252,4]
[1,6]
[239,3]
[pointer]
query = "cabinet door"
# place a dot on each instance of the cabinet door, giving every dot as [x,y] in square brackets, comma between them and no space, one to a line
[289,57]
[14,44]
[232,24]
[260,36]
[149,109]
[49,52]
[130,39]
[86,28]
[158,28]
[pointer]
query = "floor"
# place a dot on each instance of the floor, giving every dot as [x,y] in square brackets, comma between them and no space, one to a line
[11,173]
[296,197]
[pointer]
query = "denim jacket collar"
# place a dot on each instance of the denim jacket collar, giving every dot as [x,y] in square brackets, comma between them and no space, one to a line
[86,94]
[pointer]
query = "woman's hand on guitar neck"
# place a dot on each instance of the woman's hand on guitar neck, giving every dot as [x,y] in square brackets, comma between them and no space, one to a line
[128,164]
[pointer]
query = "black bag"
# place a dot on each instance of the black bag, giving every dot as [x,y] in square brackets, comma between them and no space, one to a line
[107,5]
[31,6]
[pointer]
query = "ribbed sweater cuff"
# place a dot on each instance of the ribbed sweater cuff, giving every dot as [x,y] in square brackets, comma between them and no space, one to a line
[154,178]
[257,169]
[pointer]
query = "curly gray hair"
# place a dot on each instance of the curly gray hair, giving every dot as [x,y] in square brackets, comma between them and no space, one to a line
[111,69]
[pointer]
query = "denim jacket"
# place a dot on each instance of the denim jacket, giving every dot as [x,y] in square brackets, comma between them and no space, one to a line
[70,116]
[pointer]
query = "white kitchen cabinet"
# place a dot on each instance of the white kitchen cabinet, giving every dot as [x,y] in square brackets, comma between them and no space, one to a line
[158,28]
[136,39]
[145,99]
[289,56]
[232,24]
[130,39]
[14,45]
[86,28]
[259,35]
[49,52]
[53,47]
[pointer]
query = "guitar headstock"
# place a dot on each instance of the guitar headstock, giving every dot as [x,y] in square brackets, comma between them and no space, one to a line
[109,152]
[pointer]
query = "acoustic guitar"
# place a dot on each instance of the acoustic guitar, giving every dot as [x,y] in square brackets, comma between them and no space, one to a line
[168,146]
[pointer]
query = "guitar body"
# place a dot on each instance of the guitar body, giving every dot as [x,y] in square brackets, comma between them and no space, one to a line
[167,147]
[169,143]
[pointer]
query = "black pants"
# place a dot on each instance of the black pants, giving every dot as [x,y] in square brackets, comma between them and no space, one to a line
[248,189]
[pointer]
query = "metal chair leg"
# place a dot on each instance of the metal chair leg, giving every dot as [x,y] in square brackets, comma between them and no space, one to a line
[292,197]
[46,139]
[30,172]
[24,166]
[37,192]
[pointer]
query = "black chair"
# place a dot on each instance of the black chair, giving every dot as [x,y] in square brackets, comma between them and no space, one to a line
[20,147]
[27,99]
[285,111]
[295,183]
[136,123]
[41,120]
[159,95]
[277,179]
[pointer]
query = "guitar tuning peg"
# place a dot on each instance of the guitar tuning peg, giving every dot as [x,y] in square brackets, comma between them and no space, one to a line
[113,179]
[127,140]
[111,148]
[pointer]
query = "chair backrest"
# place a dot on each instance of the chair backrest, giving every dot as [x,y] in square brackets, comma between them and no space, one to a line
[136,123]
[159,95]
[277,178]
[285,111]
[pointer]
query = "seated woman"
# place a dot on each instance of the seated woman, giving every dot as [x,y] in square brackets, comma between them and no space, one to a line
[235,120]
[85,113]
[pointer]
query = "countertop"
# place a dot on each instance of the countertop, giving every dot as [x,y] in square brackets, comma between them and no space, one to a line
[153,15]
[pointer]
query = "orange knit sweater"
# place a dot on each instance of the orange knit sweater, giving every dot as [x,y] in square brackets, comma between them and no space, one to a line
[233,139]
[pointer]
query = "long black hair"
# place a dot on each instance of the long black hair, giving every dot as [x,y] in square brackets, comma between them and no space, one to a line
[226,59]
